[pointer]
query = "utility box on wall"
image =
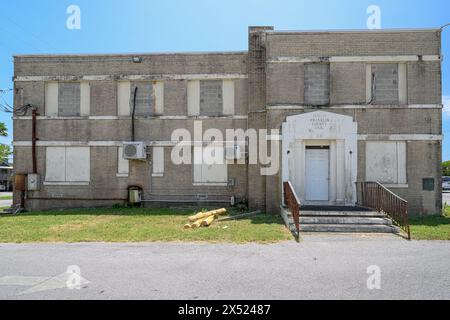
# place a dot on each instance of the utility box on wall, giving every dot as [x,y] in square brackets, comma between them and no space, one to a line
[33,182]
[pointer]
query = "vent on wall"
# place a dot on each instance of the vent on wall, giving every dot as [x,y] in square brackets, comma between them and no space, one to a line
[201,197]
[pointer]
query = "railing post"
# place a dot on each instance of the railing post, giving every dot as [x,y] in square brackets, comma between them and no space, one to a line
[406,220]
[293,204]
[374,195]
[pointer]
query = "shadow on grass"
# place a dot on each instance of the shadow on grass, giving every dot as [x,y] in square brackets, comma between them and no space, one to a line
[430,221]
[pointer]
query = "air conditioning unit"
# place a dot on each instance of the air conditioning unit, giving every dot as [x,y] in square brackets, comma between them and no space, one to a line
[233,153]
[134,151]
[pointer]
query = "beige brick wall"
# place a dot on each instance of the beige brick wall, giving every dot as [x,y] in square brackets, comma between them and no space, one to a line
[348,83]
[176,183]
[175,98]
[424,82]
[123,65]
[256,182]
[268,84]
[115,130]
[312,44]
[103,98]
[397,121]
[423,161]
[285,83]
[423,157]
[30,93]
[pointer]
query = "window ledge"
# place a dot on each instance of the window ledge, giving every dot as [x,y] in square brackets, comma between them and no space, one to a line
[63,117]
[52,183]
[157,174]
[210,184]
[122,175]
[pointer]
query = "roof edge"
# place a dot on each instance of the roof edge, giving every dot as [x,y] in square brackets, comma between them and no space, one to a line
[393,30]
[132,54]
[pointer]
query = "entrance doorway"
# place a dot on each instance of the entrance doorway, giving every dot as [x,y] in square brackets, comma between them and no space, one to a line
[317,169]
[320,157]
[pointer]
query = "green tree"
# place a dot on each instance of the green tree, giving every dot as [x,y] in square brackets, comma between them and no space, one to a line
[3,130]
[5,150]
[446,168]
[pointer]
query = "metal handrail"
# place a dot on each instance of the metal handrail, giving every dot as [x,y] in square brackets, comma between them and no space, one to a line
[376,196]
[293,203]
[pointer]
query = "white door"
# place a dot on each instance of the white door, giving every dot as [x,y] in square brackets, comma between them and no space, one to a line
[317,174]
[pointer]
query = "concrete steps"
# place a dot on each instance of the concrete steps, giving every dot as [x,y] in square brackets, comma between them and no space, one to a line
[353,220]
[373,214]
[335,220]
[360,228]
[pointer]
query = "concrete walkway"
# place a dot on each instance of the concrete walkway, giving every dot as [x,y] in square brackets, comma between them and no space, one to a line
[321,267]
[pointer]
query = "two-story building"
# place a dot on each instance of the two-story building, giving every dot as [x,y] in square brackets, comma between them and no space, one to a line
[348,106]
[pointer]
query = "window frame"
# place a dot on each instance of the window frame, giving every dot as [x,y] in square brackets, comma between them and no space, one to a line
[402,83]
[401,161]
[50,163]
[198,163]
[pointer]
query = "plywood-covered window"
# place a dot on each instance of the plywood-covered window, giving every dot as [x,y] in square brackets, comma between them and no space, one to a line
[67,165]
[317,83]
[210,167]
[144,98]
[149,98]
[158,161]
[123,165]
[211,97]
[67,99]
[387,83]
[386,161]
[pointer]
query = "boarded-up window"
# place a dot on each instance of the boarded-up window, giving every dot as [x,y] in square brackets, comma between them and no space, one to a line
[123,165]
[193,97]
[68,99]
[386,161]
[51,99]
[144,98]
[211,100]
[67,164]
[317,83]
[385,83]
[158,161]
[207,171]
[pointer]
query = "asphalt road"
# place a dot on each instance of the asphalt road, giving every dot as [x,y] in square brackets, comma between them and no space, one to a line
[321,267]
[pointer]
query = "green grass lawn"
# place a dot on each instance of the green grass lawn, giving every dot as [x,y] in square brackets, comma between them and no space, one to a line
[431,227]
[5,197]
[133,225]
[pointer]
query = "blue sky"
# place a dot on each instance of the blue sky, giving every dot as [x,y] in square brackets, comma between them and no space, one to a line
[114,26]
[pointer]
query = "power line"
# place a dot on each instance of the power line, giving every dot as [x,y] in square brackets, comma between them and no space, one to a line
[5,107]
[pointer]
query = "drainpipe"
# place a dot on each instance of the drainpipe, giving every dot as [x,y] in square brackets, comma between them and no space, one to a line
[33,139]
[133,113]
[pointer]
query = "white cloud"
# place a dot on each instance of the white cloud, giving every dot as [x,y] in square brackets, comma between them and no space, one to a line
[446,109]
